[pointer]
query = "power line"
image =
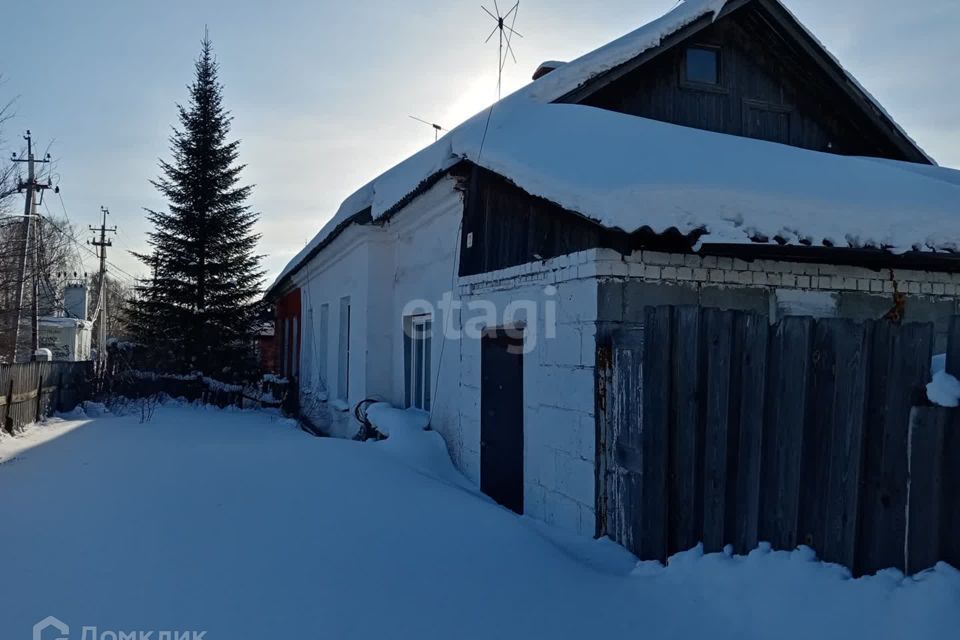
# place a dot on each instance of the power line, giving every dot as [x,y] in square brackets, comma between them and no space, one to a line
[30,188]
[102,245]
[73,238]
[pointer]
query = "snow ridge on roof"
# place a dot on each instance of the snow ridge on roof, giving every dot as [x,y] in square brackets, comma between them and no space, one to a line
[575,74]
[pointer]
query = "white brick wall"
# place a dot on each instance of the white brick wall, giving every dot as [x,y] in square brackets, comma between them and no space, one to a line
[559,425]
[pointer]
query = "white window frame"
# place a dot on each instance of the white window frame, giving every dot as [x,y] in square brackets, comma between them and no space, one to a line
[418,361]
[323,338]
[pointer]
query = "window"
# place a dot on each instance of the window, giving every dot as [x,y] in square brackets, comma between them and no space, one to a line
[323,339]
[417,353]
[343,381]
[703,65]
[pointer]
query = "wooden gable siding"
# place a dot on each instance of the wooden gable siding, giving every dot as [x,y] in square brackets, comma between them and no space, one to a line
[504,226]
[770,89]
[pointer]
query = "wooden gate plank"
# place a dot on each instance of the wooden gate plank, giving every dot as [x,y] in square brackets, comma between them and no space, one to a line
[783,430]
[686,451]
[750,366]
[950,501]
[927,425]
[953,347]
[658,346]
[718,346]
[625,462]
[849,341]
[900,364]
[818,439]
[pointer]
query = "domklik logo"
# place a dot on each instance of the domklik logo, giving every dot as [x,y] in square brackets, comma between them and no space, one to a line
[62,629]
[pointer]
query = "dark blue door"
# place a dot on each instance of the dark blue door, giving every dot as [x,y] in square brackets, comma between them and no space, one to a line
[501,418]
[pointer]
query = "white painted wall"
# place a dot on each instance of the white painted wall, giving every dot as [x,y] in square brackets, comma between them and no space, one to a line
[382,269]
[343,269]
[558,380]
[413,256]
[425,236]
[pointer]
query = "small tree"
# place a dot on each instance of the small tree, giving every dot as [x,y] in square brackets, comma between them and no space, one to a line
[198,311]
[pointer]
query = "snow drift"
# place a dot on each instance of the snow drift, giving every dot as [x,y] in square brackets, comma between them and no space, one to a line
[237,523]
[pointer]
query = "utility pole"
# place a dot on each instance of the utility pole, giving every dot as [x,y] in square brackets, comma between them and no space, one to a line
[31,187]
[102,245]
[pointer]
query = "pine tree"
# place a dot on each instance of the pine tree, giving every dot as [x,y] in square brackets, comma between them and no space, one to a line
[198,311]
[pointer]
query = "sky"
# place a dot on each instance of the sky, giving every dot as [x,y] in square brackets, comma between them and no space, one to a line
[321,92]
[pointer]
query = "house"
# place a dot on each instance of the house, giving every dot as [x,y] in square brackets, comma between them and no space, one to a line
[64,328]
[718,156]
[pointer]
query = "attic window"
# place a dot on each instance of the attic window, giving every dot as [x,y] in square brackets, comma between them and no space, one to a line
[703,65]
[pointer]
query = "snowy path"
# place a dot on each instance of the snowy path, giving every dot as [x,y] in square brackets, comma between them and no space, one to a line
[240,525]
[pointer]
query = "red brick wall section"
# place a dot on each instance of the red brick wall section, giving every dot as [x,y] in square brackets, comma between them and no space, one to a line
[288,308]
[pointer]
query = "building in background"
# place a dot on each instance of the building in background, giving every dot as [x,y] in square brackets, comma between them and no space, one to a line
[68,334]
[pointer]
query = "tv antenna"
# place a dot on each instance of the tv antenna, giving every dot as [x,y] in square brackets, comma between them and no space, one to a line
[506,34]
[436,128]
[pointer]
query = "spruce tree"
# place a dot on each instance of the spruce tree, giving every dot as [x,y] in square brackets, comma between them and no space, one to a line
[198,311]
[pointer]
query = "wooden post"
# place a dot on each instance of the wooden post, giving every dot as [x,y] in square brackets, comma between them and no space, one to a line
[7,420]
[58,405]
[39,398]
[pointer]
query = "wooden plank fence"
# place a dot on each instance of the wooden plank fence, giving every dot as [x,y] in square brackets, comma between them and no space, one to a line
[195,388]
[722,429]
[30,391]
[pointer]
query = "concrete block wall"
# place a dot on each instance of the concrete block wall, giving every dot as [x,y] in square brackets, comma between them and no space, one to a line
[652,265]
[559,401]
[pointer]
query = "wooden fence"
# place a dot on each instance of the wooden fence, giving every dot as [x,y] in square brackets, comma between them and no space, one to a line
[33,390]
[717,427]
[196,388]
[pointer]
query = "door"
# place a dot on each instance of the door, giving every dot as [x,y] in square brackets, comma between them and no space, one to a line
[501,418]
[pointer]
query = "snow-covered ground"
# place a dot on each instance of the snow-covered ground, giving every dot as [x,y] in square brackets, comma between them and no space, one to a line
[240,525]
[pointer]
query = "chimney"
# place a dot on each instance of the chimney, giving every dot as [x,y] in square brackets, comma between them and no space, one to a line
[546,68]
[75,300]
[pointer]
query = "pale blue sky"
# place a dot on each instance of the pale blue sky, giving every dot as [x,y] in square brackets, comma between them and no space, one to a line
[321,91]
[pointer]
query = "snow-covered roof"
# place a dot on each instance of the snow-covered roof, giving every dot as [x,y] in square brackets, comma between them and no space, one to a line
[633,173]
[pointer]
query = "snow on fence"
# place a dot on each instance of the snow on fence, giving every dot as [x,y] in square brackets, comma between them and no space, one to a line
[717,427]
[30,391]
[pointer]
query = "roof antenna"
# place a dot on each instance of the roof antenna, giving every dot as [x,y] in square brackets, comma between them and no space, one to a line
[436,128]
[506,33]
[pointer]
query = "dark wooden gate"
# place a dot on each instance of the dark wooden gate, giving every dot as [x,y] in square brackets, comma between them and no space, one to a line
[722,429]
[501,419]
